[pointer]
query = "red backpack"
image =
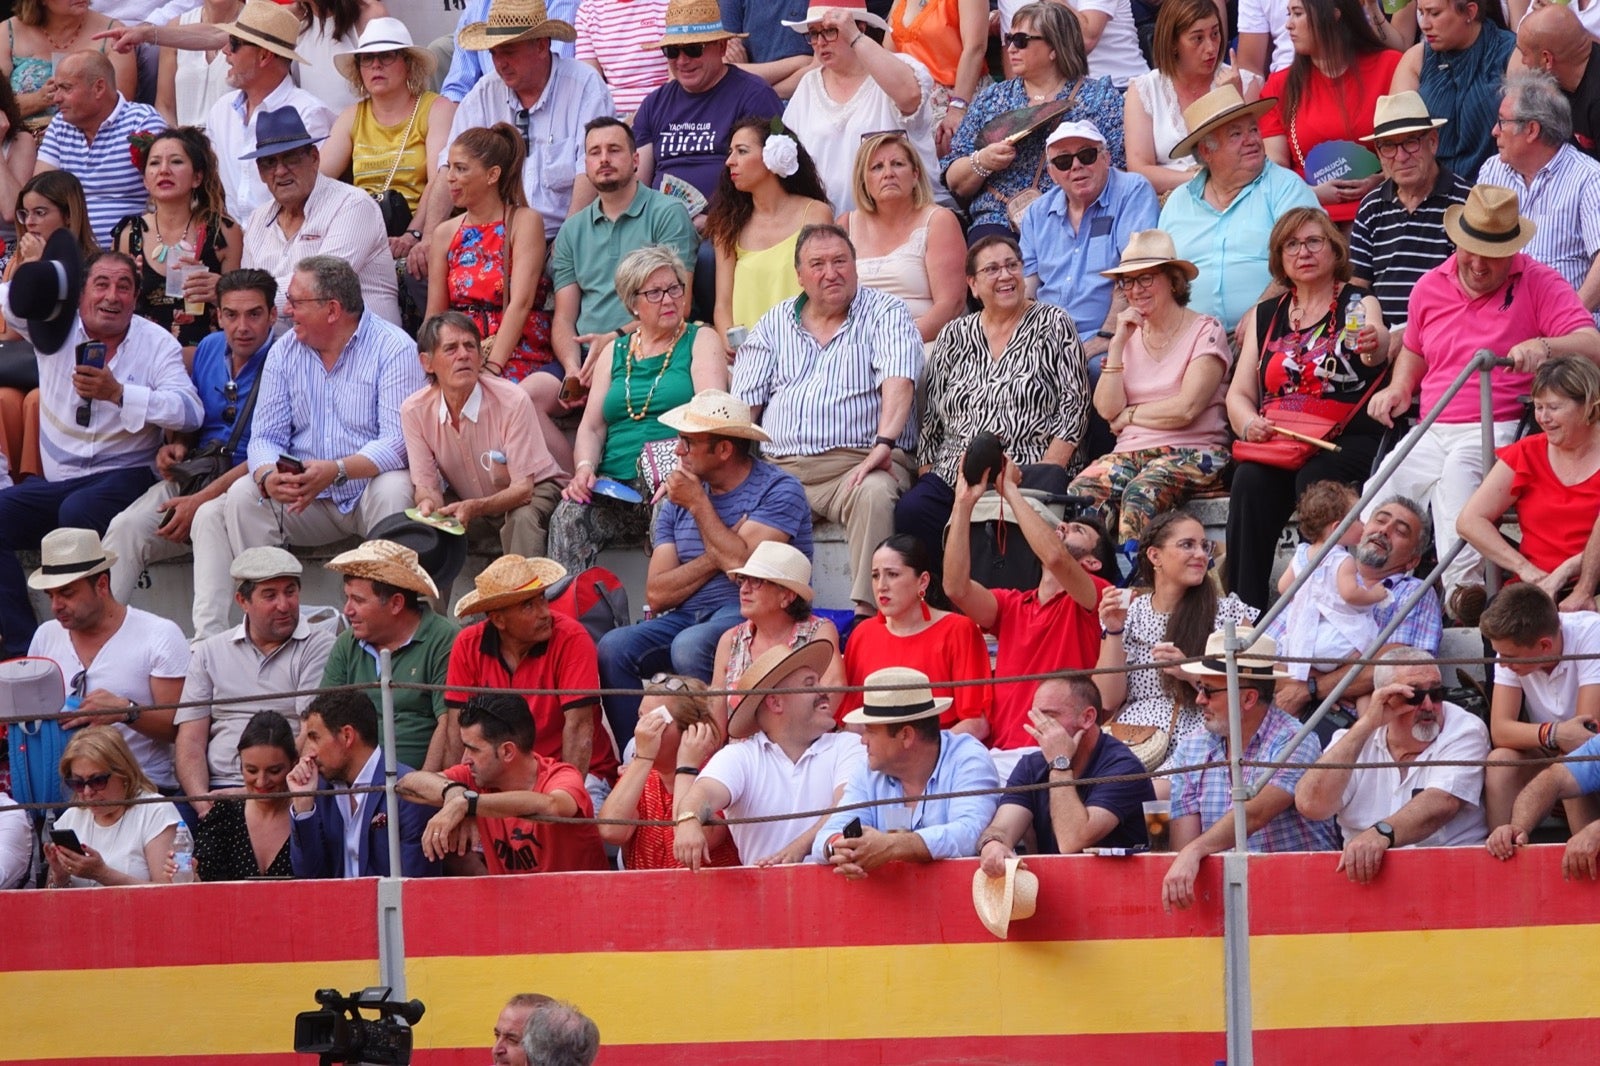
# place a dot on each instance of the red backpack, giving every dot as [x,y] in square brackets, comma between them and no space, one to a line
[596,598]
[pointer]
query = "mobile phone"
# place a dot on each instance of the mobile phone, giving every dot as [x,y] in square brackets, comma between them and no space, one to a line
[288,464]
[573,390]
[92,353]
[853,829]
[66,838]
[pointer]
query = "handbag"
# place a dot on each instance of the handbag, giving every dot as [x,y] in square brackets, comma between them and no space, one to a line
[391,204]
[205,465]
[19,366]
[657,459]
[1150,743]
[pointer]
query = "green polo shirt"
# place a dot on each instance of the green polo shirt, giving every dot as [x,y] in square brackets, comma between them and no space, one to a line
[589,246]
[424,660]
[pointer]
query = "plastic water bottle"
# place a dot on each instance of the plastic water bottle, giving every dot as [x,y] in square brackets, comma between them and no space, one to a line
[1354,321]
[183,855]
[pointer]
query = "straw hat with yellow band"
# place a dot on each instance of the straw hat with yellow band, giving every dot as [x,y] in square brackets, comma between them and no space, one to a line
[267,25]
[508,580]
[388,562]
[511,21]
[692,22]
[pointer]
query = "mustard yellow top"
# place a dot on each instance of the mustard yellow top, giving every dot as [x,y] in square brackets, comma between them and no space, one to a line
[373,146]
[763,279]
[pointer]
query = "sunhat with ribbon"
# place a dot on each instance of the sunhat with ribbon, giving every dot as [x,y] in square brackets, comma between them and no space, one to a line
[385,561]
[383,35]
[714,411]
[856,9]
[267,25]
[999,901]
[1488,223]
[1148,249]
[894,706]
[511,21]
[509,579]
[278,131]
[1217,108]
[693,22]
[770,669]
[1257,661]
[67,554]
[780,563]
[1401,113]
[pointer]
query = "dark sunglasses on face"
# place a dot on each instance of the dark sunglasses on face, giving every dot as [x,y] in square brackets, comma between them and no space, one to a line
[1203,689]
[1020,40]
[1086,156]
[236,43]
[84,784]
[1436,694]
[673,51]
[230,392]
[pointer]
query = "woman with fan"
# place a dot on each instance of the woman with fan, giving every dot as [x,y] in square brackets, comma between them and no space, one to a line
[1302,367]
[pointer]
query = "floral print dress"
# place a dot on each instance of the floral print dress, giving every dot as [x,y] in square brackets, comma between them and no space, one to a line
[475,277]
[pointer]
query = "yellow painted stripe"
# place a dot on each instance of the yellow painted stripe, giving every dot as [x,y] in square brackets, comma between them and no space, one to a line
[1443,976]
[164,1011]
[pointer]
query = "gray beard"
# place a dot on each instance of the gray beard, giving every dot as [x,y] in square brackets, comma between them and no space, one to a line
[1426,732]
[1371,555]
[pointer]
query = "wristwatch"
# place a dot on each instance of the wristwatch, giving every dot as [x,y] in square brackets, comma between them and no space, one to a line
[472,802]
[343,475]
[1311,686]
[1385,830]
[1061,763]
[414,234]
[1104,334]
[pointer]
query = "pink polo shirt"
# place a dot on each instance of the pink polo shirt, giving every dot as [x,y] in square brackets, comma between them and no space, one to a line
[498,416]
[1447,326]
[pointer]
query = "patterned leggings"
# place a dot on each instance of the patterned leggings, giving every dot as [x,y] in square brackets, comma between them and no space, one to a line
[1147,482]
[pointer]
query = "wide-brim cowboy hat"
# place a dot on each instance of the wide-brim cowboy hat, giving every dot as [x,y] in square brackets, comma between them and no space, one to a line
[1217,108]
[385,561]
[1489,223]
[856,9]
[999,901]
[769,670]
[267,25]
[897,705]
[442,554]
[1148,249]
[384,35]
[692,22]
[65,555]
[1399,114]
[781,564]
[1258,661]
[45,292]
[714,411]
[509,580]
[511,21]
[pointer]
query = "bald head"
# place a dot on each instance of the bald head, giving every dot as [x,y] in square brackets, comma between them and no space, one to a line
[86,90]
[90,66]
[1552,37]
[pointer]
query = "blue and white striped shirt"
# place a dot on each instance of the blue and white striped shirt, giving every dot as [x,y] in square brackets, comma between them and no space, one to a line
[820,397]
[311,412]
[113,186]
[1564,202]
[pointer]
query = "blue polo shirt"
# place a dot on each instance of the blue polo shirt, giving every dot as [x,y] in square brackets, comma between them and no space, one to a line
[1067,262]
[211,376]
[1230,246]
[1124,799]
[769,38]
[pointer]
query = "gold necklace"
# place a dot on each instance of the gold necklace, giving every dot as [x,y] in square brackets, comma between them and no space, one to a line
[627,377]
[62,46]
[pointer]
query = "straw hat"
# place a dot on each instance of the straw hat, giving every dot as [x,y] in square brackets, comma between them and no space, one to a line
[780,563]
[267,25]
[714,411]
[384,35]
[1148,249]
[1259,659]
[770,669]
[1401,113]
[385,561]
[1217,108]
[511,21]
[509,579]
[1000,901]
[692,22]
[65,555]
[1488,223]
[895,706]
[857,10]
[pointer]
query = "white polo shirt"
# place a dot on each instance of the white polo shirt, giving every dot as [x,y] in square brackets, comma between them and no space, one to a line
[1552,695]
[764,782]
[1373,795]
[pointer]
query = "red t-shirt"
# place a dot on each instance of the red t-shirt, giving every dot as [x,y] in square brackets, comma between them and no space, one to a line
[519,846]
[1034,638]
[650,847]
[1556,518]
[952,649]
[566,661]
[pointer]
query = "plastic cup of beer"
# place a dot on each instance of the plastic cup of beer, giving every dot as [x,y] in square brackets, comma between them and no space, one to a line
[1158,824]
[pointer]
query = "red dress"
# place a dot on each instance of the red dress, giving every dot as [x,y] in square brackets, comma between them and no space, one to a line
[650,847]
[1556,518]
[952,649]
[475,278]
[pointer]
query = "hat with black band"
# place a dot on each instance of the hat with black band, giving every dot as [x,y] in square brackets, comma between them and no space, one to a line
[911,698]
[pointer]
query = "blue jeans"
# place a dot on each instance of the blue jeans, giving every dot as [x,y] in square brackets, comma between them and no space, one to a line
[679,642]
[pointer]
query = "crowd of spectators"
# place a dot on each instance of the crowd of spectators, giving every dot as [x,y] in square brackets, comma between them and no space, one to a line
[698,279]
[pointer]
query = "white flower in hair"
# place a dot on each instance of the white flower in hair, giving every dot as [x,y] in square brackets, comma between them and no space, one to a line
[781,154]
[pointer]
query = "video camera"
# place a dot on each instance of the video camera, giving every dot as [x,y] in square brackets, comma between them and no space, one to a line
[338,1033]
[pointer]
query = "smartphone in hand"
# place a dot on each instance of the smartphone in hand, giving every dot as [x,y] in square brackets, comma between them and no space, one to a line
[92,353]
[66,839]
[288,464]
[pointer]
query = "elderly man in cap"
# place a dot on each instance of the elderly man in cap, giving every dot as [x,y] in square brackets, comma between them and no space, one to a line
[1202,800]
[521,644]
[273,651]
[473,443]
[1220,220]
[310,215]
[489,796]
[1399,228]
[259,51]
[115,658]
[384,586]
[830,375]
[721,501]
[908,757]
[1079,228]
[1550,38]
[792,762]
[1421,804]
[546,96]
[111,384]
[89,138]
[1464,304]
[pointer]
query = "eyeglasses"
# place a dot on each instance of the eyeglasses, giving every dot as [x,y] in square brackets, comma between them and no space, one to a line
[1141,282]
[378,59]
[230,392]
[1086,156]
[1203,689]
[994,270]
[92,783]
[1502,123]
[1019,41]
[1314,245]
[827,33]
[294,302]
[655,296]
[1189,547]
[1434,694]
[294,157]
[673,51]
[749,579]
[1409,146]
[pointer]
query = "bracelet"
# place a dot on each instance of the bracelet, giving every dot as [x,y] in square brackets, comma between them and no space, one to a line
[687,816]
[493,368]
[990,838]
[581,463]
[957,103]
[1104,632]
[444,793]
[1546,342]
[1547,737]
[1111,370]
[692,771]
[977,167]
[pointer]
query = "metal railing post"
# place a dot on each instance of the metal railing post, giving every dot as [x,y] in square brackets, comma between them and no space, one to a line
[1491,571]
[1236,879]
[391,924]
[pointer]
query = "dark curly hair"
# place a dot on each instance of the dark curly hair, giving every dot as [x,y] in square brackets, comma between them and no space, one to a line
[731,209]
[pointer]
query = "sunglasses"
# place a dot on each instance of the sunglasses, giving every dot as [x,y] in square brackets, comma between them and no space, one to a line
[1086,156]
[80,684]
[673,51]
[1203,689]
[1436,694]
[1020,41]
[670,682]
[230,392]
[92,783]
[236,43]
[884,133]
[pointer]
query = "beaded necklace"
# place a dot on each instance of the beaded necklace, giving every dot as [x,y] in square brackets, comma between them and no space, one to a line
[633,358]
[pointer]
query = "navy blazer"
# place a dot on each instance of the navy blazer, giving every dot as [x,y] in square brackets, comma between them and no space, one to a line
[316,841]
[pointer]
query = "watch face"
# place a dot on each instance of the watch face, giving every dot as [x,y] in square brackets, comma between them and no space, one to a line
[1060,762]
